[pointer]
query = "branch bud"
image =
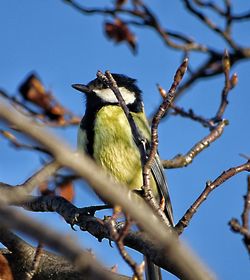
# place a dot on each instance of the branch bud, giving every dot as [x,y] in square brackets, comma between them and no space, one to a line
[226,61]
[234,80]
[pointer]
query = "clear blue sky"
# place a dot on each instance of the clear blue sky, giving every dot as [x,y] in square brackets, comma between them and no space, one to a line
[65,47]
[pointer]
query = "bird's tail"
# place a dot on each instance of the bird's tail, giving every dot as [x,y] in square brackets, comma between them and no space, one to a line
[152,271]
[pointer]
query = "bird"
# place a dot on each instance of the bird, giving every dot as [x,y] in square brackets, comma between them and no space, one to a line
[105,135]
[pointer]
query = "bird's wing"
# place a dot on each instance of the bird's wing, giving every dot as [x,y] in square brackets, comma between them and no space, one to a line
[158,173]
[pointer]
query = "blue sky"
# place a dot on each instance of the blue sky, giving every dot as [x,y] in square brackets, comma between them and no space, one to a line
[65,47]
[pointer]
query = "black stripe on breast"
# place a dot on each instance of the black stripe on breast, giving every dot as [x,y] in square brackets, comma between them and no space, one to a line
[87,125]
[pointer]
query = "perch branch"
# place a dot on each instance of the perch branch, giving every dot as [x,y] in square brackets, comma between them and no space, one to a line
[11,194]
[244,228]
[188,267]
[184,160]
[210,186]
[163,109]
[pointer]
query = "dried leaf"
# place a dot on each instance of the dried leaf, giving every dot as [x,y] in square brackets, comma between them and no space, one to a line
[119,32]
[5,271]
[33,91]
[66,190]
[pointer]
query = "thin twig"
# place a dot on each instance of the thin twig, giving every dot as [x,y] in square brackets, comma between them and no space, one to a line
[119,238]
[147,19]
[36,261]
[188,44]
[209,23]
[228,17]
[184,160]
[244,228]
[230,83]
[13,140]
[163,109]
[12,194]
[216,124]
[246,209]
[244,16]
[226,89]
[210,186]
[191,115]
[38,117]
[212,63]
[211,5]
[15,102]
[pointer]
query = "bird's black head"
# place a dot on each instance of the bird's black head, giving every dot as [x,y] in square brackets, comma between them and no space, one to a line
[98,94]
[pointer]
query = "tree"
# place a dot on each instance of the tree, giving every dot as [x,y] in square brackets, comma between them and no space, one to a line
[207,88]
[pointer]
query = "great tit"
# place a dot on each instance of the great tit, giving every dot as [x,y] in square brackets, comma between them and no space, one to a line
[105,134]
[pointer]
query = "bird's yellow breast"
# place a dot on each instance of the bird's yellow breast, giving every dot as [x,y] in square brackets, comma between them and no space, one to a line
[114,147]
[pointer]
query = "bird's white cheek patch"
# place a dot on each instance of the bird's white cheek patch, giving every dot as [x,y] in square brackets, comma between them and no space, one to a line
[108,95]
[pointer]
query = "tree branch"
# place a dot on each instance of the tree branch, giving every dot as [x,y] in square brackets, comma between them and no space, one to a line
[10,194]
[163,109]
[51,266]
[83,217]
[187,266]
[210,186]
[184,160]
[82,260]
[244,228]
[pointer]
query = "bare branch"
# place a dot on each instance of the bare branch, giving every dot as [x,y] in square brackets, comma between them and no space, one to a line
[83,217]
[21,256]
[10,194]
[57,116]
[36,261]
[244,228]
[147,19]
[13,140]
[210,186]
[188,45]
[222,12]
[215,127]
[118,237]
[211,5]
[184,160]
[191,115]
[163,109]
[228,85]
[246,209]
[83,260]
[208,22]
[244,16]
[211,64]
[113,193]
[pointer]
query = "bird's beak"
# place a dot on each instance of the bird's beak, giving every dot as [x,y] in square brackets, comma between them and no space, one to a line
[81,88]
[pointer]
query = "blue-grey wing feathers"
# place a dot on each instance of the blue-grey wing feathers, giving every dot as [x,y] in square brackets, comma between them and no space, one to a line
[158,173]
